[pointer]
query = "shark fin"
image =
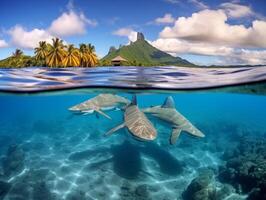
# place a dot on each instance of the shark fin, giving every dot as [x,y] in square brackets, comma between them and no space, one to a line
[115,129]
[102,113]
[87,112]
[175,134]
[97,115]
[134,100]
[169,103]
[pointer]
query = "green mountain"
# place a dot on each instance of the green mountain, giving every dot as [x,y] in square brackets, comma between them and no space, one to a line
[141,53]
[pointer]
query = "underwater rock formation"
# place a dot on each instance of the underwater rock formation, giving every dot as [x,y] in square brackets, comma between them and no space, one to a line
[245,167]
[13,163]
[201,187]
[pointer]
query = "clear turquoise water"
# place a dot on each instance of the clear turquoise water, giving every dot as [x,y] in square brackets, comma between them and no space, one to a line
[47,152]
[66,156]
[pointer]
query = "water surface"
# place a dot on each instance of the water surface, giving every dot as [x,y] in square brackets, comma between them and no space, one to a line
[175,78]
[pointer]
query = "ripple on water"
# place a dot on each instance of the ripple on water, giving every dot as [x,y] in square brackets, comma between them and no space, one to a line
[37,79]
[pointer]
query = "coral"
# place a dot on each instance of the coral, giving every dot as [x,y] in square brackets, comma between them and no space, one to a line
[246,167]
[201,187]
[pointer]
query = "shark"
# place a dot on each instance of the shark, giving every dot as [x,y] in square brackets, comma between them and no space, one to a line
[100,103]
[137,123]
[167,112]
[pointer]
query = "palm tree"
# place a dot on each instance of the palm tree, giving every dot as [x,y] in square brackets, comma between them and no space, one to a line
[56,53]
[17,53]
[88,58]
[41,52]
[83,55]
[72,57]
[92,57]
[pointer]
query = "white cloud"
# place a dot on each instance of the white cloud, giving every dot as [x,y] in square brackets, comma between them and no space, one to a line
[127,32]
[226,55]
[253,57]
[3,44]
[199,4]
[70,23]
[177,46]
[166,19]
[217,30]
[232,44]
[22,38]
[234,10]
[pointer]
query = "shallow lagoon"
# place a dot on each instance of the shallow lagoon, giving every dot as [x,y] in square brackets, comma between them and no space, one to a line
[65,156]
[47,152]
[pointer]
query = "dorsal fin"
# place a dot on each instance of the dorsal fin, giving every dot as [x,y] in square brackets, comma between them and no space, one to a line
[134,100]
[169,103]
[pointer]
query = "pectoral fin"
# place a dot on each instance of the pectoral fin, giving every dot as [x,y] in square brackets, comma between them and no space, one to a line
[175,134]
[87,112]
[102,113]
[115,129]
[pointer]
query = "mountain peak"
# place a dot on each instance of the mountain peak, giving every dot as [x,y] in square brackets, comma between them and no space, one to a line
[112,49]
[140,36]
[142,53]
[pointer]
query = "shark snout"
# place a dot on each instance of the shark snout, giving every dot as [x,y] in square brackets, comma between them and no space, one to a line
[73,109]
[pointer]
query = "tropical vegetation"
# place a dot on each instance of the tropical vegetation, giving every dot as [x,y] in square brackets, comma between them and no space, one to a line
[56,54]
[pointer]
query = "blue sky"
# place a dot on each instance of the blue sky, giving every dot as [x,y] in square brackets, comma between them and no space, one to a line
[202,31]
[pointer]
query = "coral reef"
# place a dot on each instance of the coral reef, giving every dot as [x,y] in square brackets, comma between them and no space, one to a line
[204,187]
[245,167]
[201,187]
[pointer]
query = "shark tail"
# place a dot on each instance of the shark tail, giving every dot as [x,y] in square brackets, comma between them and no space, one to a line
[194,131]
